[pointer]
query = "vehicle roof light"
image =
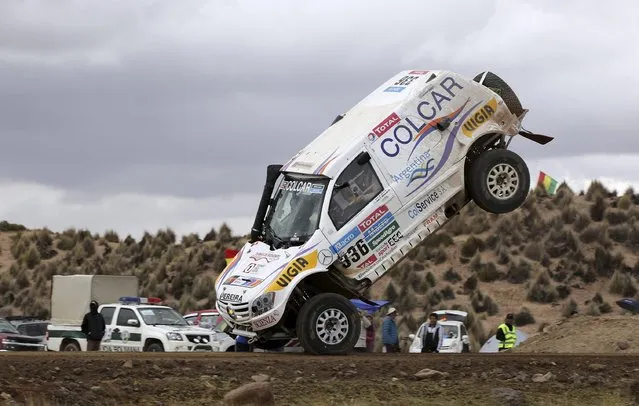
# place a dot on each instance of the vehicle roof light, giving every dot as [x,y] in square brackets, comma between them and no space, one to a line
[139,300]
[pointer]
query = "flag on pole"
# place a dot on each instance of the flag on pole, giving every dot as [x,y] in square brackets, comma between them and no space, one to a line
[229,254]
[547,183]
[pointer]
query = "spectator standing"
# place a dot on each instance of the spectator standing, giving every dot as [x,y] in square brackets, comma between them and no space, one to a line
[506,333]
[370,334]
[390,338]
[93,327]
[433,335]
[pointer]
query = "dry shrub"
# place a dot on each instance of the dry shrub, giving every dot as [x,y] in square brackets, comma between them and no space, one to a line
[570,309]
[616,217]
[622,284]
[542,289]
[448,293]
[534,251]
[483,303]
[433,298]
[488,272]
[519,273]
[581,222]
[624,202]
[605,263]
[593,309]
[471,246]
[595,189]
[563,291]
[451,276]
[569,215]
[598,209]
[524,317]
[592,233]
[604,307]
[470,284]
[619,233]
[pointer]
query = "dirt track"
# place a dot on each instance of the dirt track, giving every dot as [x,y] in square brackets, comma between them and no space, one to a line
[171,379]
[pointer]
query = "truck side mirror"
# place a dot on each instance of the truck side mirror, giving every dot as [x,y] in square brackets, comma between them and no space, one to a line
[411,336]
[132,322]
[363,158]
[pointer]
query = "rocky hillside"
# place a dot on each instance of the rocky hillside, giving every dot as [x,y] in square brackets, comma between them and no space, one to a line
[553,257]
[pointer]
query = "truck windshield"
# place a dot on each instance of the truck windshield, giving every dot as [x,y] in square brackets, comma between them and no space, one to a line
[162,316]
[6,327]
[295,212]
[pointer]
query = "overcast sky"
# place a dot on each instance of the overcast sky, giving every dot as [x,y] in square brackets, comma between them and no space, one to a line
[142,114]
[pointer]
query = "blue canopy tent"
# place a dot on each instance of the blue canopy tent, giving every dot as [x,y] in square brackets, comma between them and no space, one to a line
[370,308]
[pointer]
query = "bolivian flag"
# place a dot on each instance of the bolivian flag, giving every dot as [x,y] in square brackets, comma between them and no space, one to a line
[229,254]
[547,183]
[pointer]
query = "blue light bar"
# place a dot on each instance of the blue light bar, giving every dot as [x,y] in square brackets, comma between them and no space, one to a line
[139,300]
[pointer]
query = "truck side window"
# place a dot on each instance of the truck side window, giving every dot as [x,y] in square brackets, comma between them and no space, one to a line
[124,315]
[354,189]
[107,313]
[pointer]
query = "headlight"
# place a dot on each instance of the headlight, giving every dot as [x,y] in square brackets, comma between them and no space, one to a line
[174,336]
[263,303]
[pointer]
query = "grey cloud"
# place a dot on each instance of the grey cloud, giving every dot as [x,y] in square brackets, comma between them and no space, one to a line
[195,99]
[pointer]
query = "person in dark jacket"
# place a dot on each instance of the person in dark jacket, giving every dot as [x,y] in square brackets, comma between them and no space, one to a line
[93,327]
[432,336]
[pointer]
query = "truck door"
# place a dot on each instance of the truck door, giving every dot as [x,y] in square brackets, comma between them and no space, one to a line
[360,213]
[107,313]
[127,330]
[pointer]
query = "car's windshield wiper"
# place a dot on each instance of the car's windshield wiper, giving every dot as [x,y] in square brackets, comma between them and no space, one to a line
[277,241]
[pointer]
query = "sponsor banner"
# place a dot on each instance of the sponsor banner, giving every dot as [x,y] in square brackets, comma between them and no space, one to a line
[428,202]
[302,187]
[385,125]
[476,120]
[373,217]
[266,321]
[292,269]
[381,238]
[368,262]
[379,226]
[243,281]
[230,297]
[346,240]
[394,89]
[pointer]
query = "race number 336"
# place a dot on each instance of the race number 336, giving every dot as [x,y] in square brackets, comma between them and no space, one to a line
[354,253]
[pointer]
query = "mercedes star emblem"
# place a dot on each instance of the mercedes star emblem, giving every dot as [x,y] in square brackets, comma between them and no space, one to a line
[325,257]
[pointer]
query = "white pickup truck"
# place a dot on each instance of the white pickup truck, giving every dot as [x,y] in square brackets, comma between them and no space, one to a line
[364,193]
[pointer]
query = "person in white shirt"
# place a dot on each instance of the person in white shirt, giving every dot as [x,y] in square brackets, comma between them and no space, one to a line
[433,335]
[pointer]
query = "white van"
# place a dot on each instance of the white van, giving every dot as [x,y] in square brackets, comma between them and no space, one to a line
[369,189]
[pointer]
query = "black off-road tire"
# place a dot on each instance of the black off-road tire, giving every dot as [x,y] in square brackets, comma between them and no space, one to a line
[309,318]
[479,186]
[154,347]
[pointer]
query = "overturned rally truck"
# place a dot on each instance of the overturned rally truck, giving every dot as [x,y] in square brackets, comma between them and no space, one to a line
[369,189]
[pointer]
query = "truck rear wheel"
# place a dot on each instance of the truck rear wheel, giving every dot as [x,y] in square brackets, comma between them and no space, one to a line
[499,181]
[328,325]
[70,345]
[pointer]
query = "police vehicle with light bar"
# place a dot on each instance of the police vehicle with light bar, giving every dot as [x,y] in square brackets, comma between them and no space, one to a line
[139,324]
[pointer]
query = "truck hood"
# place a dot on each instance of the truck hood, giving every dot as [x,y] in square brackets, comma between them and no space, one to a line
[257,267]
[182,329]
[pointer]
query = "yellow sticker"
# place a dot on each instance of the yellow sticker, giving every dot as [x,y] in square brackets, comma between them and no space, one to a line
[292,269]
[482,115]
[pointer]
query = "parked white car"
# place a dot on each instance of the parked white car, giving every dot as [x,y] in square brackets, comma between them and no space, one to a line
[456,338]
[368,190]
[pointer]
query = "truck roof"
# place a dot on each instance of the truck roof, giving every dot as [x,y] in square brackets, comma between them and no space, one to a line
[322,156]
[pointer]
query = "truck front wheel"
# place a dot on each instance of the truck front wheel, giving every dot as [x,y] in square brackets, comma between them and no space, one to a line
[328,324]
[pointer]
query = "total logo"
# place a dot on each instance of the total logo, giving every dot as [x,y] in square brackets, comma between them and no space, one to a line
[409,131]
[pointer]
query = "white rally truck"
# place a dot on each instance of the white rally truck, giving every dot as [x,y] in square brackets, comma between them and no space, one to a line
[132,323]
[369,189]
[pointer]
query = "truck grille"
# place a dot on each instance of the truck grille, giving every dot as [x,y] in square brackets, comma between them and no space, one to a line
[237,311]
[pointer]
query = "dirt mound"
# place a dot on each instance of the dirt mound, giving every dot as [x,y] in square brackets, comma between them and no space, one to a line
[587,334]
